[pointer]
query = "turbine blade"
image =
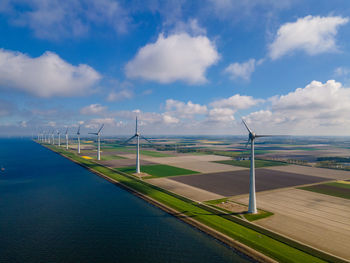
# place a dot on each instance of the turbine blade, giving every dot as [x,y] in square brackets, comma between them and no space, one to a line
[146,139]
[269,135]
[78,132]
[246,146]
[100,128]
[66,130]
[136,126]
[245,124]
[94,133]
[129,139]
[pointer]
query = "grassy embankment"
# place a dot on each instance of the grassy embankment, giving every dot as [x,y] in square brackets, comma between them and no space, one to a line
[252,238]
[158,170]
[250,217]
[336,189]
[246,163]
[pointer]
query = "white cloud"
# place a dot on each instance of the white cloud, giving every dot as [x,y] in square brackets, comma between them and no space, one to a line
[120,95]
[319,108]
[96,123]
[191,27]
[236,102]
[45,76]
[312,34]
[184,110]
[93,109]
[172,58]
[168,119]
[241,70]
[221,115]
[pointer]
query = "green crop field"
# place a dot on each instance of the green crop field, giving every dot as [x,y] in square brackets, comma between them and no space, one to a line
[246,163]
[278,250]
[158,170]
[333,189]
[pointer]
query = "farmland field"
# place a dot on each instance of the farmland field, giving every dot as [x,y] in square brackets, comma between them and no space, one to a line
[246,163]
[158,170]
[334,189]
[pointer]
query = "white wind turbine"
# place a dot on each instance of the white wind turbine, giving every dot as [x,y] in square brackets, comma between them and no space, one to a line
[252,198]
[59,138]
[78,134]
[53,136]
[137,135]
[67,138]
[98,133]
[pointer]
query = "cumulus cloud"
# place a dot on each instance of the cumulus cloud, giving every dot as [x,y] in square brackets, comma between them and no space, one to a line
[191,27]
[45,76]
[120,95]
[317,106]
[176,57]
[168,119]
[184,110]
[221,115]
[241,70]
[236,101]
[93,109]
[312,34]
[96,123]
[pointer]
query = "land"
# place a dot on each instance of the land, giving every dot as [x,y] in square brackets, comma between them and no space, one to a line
[213,176]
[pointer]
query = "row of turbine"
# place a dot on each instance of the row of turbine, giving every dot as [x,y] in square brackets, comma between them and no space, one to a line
[50,138]
[251,139]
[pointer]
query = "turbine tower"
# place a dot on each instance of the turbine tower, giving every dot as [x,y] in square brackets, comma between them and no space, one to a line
[137,135]
[78,134]
[67,139]
[59,138]
[252,198]
[98,133]
[53,136]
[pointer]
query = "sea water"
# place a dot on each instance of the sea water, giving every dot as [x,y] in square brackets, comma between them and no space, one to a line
[53,210]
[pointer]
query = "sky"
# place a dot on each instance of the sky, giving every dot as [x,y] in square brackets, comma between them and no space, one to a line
[182,67]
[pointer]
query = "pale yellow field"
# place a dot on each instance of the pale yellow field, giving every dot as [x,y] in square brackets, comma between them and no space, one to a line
[316,219]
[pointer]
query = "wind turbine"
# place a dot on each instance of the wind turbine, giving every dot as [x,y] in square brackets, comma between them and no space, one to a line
[98,133]
[67,139]
[252,198]
[59,138]
[137,135]
[53,136]
[78,134]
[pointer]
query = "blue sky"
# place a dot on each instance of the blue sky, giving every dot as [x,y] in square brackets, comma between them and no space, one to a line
[184,67]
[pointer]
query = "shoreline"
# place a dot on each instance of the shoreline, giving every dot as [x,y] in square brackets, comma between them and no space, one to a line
[231,242]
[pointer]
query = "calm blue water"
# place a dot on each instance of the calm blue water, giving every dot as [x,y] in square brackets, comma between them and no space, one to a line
[52,210]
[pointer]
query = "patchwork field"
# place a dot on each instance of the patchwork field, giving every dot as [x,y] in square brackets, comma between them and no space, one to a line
[246,163]
[338,189]
[313,171]
[237,182]
[158,170]
[316,219]
[188,191]
[199,163]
